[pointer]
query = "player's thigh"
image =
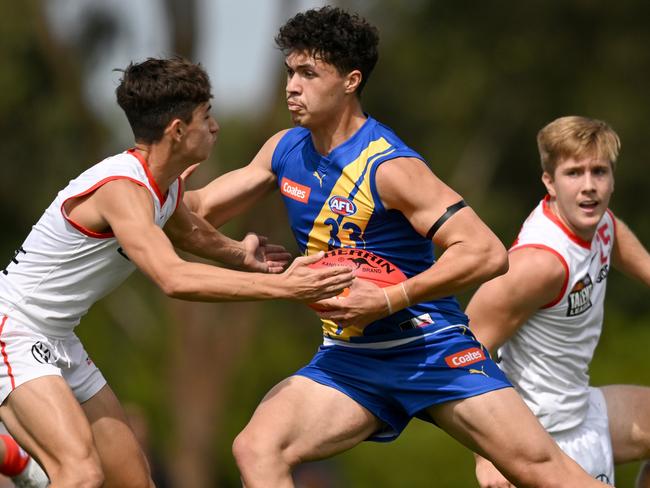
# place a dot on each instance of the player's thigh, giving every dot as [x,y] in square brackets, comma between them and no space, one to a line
[628,409]
[123,461]
[498,425]
[46,419]
[304,420]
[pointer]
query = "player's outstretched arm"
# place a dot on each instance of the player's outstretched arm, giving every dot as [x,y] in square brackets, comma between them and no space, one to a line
[128,210]
[235,192]
[629,255]
[190,232]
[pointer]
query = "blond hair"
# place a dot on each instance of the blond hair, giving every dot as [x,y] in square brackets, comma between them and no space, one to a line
[576,137]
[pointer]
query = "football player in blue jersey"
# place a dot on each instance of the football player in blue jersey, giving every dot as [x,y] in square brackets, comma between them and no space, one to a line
[389,354]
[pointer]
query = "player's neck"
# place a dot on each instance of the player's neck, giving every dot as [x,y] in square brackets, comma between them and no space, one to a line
[338,129]
[158,159]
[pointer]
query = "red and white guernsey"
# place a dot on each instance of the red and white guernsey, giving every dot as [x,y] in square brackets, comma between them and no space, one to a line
[548,358]
[62,268]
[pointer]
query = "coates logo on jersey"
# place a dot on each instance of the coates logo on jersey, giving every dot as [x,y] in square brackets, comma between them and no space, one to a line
[342,206]
[580,297]
[294,190]
[465,357]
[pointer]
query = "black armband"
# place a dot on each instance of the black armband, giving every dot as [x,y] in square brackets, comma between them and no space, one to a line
[451,210]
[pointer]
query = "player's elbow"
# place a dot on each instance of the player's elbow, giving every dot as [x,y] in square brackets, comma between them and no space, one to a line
[494,259]
[170,287]
[500,262]
[172,284]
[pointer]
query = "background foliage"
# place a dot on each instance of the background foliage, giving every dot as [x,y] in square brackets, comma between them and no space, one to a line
[467,84]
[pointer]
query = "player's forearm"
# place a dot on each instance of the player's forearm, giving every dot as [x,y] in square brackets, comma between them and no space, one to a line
[195,235]
[213,245]
[460,267]
[200,282]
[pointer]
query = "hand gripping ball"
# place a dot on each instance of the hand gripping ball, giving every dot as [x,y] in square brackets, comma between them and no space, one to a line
[365,265]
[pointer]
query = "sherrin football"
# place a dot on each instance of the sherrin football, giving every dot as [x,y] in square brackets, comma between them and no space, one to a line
[366,266]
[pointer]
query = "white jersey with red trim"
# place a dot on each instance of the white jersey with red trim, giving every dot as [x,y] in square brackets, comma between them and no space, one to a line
[62,268]
[548,358]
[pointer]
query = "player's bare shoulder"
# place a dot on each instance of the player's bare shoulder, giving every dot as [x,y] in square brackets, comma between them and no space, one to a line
[542,269]
[264,156]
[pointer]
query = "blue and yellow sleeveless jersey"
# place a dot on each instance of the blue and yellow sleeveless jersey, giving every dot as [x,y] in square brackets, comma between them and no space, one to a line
[332,203]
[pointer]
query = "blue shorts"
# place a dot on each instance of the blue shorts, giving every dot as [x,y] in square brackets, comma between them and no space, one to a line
[398,383]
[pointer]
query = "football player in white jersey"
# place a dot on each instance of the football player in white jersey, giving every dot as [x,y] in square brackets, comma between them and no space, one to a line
[103,225]
[545,314]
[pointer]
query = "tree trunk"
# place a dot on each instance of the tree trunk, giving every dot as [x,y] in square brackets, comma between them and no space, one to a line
[207,341]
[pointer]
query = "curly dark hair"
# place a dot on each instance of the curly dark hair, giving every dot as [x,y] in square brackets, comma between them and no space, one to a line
[344,40]
[156,91]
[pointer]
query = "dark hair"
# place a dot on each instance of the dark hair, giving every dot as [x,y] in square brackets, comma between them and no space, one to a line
[156,91]
[344,40]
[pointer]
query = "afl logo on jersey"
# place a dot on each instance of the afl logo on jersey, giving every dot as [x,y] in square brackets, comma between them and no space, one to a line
[342,206]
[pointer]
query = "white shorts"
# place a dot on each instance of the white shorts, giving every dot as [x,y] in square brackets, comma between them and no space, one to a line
[590,443]
[27,354]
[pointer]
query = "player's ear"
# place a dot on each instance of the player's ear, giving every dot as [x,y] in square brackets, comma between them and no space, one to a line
[175,129]
[549,183]
[352,81]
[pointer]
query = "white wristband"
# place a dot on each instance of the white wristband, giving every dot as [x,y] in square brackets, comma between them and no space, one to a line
[390,308]
[406,295]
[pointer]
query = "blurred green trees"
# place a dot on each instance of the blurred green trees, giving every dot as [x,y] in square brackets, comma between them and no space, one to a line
[467,84]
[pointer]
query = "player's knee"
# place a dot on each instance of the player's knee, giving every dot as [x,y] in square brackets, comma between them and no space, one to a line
[246,450]
[555,472]
[540,468]
[642,439]
[252,448]
[78,468]
[86,474]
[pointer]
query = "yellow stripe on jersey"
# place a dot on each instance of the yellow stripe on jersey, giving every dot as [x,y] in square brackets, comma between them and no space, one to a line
[321,230]
[327,221]
[330,329]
